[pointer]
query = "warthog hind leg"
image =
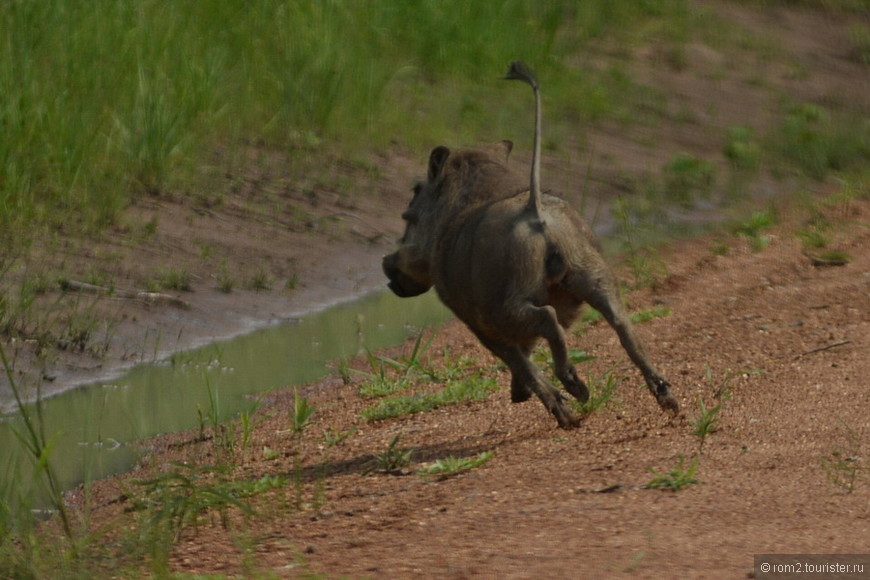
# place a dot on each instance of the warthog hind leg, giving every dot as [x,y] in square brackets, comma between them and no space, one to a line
[610,306]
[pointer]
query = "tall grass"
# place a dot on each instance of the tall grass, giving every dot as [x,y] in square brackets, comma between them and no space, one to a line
[103,104]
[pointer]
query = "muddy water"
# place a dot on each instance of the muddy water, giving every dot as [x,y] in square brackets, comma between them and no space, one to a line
[92,426]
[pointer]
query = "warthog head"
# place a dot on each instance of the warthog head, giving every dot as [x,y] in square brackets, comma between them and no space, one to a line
[454,182]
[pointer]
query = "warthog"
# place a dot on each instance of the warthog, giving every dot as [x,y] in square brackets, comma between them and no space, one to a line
[513,263]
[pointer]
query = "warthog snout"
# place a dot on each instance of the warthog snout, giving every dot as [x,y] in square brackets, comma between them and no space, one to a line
[401,284]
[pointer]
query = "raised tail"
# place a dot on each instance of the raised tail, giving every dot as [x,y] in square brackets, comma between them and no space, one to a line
[519,71]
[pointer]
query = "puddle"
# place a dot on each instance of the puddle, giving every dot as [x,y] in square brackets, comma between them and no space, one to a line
[92,425]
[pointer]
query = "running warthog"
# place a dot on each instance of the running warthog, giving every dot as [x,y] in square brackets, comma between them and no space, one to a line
[513,263]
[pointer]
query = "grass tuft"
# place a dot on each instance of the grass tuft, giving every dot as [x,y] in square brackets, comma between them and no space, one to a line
[455,392]
[675,479]
[450,466]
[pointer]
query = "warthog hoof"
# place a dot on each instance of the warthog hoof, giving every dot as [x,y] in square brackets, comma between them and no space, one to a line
[577,388]
[662,392]
[669,403]
[566,419]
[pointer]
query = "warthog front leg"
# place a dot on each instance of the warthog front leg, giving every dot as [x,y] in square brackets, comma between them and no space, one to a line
[526,378]
[520,391]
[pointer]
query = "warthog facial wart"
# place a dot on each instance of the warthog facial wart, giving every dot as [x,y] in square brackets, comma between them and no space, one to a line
[513,263]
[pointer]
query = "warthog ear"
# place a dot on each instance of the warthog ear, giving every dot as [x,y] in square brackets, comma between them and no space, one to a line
[437,159]
[505,147]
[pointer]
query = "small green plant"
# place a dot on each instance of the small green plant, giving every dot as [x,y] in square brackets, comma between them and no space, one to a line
[249,419]
[815,242]
[687,176]
[706,421]
[413,362]
[742,150]
[817,142]
[206,251]
[753,227]
[380,382]
[659,311]
[176,499]
[344,370]
[845,464]
[270,454]
[301,414]
[392,459]
[831,258]
[150,227]
[646,267]
[225,280]
[260,281]
[453,368]
[720,249]
[390,376]
[39,448]
[642,260]
[859,36]
[222,437]
[601,391]
[170,279]
[842,469]
[676,478]
[333,438]
[812,238]
[450,466]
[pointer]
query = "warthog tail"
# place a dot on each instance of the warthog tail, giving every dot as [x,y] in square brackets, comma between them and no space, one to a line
[519,71]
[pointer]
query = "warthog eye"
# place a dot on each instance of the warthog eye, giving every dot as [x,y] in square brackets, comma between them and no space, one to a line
[418,187]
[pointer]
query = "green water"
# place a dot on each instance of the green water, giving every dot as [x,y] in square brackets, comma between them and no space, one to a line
[91,426]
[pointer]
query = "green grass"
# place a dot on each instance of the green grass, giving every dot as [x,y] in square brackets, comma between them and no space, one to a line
[302,413]
[177,279]
[677,478]
[19,548]
[454,392]
[859,36]
[101,106]
[687,178]
[639,255]
[389,376]
[753,228]
[176,499]
[658,311]
[742,149]
[601,392]
[706,421]
[817,142]
[391,459]
[845,464]
[450,466]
